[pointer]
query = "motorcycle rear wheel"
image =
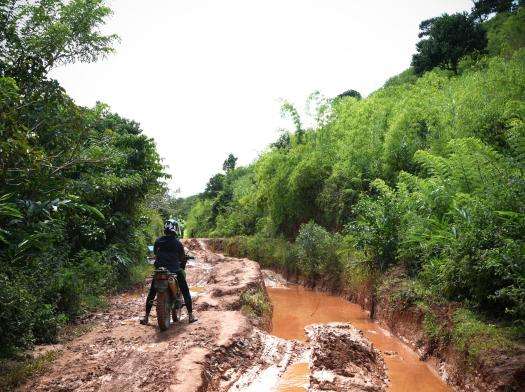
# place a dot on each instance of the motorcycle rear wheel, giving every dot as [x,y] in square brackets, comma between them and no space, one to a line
[163,311]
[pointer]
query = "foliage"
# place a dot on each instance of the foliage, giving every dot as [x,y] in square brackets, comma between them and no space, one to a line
[37,36]
[483,8]
[425,174]
[229,163]
[474,337]
[506,33]
[376,229]
[256,303]
[447,39]
[407,76]
[199,220]
[15,373]
[317,253]
[350,93]
[74,181]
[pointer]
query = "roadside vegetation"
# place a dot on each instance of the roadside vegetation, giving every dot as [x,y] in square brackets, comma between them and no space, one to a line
[423,179]
[78,186]
[255,303]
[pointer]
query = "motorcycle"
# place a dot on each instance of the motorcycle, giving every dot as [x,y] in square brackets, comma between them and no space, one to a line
[169,298]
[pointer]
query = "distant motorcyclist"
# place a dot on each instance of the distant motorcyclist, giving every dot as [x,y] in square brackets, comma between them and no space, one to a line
[169,253]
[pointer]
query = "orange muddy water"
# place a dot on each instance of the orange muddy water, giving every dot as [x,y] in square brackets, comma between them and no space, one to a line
[296,307]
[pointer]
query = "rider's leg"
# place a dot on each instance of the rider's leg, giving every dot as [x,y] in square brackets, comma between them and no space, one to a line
[149,303]
[183,285]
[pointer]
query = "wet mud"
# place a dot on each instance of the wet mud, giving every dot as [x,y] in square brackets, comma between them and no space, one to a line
[295,307]
[230,349]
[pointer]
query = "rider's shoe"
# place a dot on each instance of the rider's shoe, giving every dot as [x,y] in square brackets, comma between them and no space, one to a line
[192,318]
[144,320]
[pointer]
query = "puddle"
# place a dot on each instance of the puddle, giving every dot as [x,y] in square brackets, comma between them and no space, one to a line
[296,307]
[195,291]
[295,379]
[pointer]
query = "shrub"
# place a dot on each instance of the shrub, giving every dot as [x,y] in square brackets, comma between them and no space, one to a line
[256,303]
[317,253]
[475,337]
[16,316]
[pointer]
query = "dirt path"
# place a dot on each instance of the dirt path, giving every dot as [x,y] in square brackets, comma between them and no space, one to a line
[225,350]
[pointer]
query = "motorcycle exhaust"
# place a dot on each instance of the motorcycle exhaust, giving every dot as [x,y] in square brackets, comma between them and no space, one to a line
[173,285]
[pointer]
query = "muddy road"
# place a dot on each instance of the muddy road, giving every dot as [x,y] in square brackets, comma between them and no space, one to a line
[230,348]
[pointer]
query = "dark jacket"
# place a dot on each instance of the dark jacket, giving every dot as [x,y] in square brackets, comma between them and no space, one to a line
[169,253]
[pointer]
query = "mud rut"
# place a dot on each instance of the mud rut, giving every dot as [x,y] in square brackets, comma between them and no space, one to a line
[226,350]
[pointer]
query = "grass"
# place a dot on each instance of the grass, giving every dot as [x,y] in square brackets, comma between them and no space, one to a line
[474,337]
[255,303]
[14,373]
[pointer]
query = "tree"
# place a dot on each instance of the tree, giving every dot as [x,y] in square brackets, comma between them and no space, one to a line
[448,39]
[350,93]
[214,186]
[229,163]
[483,8]
[74,181]
[36,36]
[288,110]
[283,142]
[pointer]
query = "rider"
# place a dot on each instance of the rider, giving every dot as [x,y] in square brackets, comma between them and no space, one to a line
[169,253]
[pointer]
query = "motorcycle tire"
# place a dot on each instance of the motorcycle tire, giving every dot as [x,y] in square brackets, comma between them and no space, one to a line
[163,311]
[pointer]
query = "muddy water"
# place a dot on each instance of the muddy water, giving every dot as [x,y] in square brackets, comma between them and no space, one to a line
[296,307]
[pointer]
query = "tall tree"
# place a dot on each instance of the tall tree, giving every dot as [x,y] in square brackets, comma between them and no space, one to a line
[229,163]
[36,36]
[446,39]
[483,8]
[350,93]
[214,186]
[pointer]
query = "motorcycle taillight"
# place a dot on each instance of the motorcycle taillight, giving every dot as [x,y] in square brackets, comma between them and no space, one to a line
[162,277]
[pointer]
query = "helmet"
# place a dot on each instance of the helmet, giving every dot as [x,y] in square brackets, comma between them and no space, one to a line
[171,226]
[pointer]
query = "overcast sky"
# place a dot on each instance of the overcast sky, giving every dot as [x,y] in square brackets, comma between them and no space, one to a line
[206,78]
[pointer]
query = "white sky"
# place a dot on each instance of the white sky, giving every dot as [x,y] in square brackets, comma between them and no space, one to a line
[205,78]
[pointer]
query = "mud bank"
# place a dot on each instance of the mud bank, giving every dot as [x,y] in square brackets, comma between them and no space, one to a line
[226,350]
[496,371]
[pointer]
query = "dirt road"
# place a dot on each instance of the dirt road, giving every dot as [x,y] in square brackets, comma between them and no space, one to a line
[227,349]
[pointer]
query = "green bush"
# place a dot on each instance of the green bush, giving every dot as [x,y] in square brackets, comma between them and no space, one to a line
[16,316]
[47,324]
[256,303]
[317,253]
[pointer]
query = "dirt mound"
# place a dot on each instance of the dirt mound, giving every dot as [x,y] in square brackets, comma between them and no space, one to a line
[344,360]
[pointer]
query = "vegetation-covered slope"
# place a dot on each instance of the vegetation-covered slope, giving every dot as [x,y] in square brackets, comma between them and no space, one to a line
[424,175]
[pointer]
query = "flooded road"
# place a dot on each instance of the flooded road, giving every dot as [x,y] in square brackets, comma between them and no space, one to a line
[296,307]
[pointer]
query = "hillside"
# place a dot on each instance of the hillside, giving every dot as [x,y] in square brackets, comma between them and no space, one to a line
[415,193]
